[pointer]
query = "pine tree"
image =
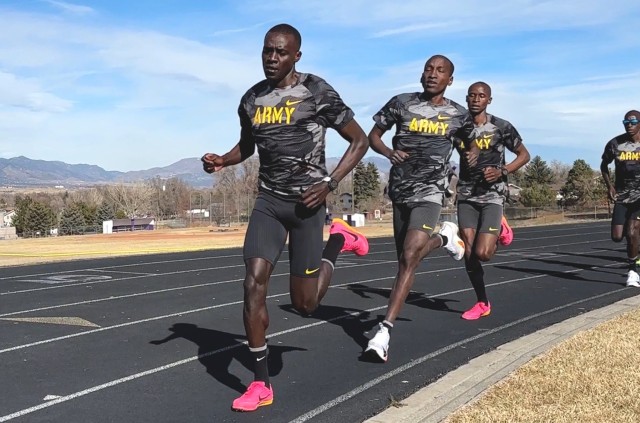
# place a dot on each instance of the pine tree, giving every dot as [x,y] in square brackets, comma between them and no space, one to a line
[72,220]
[583,186]
[104,212]
[537,180]
[537,172]
[359,184]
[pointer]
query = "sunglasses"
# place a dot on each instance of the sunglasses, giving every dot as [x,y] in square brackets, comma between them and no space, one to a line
[630,121]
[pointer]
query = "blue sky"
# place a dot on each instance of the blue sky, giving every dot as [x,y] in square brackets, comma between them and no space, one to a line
[130,85]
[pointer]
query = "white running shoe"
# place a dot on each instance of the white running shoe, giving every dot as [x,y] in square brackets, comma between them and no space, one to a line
[378,346]
[454,245]
[633,279]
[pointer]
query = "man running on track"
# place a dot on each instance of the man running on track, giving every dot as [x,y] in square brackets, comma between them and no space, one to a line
[482,191]
[625,151]
[426,124]
[286,116]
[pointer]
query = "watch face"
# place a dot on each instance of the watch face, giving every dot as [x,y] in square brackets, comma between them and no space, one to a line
[333,184]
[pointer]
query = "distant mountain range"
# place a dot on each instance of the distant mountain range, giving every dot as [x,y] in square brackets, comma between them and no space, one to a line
[24,172]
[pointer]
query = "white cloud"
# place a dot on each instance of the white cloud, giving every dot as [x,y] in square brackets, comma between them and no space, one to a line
[24,93]
[75,9]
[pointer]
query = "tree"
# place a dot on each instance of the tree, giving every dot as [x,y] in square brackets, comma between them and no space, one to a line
[537,196]
[537,180]
[583,185]
[133,200]
[366,184]
[33,217]
[72,220]
[537,173]
[105,212]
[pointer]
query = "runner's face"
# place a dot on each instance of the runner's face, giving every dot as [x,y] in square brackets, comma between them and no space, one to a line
[436,76]
[478,98]
[631,128]
[279,56]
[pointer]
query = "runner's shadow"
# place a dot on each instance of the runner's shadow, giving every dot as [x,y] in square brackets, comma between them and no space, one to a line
[554,273]
[619,258]
[355,323]
[217,349]
[582,266]
[414,298]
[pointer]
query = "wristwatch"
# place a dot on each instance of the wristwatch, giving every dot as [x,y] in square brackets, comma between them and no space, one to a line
[332,183]
[504,171]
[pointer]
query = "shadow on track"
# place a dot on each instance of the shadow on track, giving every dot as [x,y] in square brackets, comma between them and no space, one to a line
[217,349]
[415,298]
[355,323]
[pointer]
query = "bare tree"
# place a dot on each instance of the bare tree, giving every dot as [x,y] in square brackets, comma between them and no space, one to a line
[134,200]
[92,197]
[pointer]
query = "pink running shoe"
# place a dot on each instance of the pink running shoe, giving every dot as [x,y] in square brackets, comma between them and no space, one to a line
[257,395]
[477,311]
[353,240]
[506,233]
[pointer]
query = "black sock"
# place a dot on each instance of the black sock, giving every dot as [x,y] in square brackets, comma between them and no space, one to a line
[476,276]
[387,324]
[261,369]
[333,247]
[633,265]
[444,240]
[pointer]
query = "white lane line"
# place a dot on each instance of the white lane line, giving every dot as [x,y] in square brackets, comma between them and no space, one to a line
[429,259]
[120,266]
[342,398]
[318,410]
[198,310]
[122,271]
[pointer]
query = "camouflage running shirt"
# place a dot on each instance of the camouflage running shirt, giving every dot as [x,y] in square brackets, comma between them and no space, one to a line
[425,131]
[626,154]
[288,126]
[491,138]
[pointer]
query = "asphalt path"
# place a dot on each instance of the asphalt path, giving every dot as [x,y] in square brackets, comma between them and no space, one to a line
[160,338]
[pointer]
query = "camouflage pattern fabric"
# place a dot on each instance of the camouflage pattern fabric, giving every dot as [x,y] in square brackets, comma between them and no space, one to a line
[425,131]
[626,155]
[288,126]
[492,138]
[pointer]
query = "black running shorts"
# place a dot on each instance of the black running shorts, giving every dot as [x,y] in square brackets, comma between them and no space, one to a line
[409,216]
[623,212]
[484,218]
[272,219]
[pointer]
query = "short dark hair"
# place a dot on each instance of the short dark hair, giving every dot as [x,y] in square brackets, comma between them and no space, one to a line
[287,29]
[486,86]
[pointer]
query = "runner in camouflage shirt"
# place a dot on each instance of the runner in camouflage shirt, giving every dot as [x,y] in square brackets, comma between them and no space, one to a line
[482,190]
[288,126]
[286,117]
[625,151]
[426,124]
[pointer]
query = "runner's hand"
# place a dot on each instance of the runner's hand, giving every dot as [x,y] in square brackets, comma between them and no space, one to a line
[315,195]
[398,157]
[612,194]
[492,174]
[212,162]
[471,157]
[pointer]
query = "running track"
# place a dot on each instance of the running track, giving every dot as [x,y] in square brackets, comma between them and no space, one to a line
[165,335]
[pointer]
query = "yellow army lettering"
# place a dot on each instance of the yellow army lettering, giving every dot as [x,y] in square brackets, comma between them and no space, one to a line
[428,127]
[629,155]
[270,114]
[482,143]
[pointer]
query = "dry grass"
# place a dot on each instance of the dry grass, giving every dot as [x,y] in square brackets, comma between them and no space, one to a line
[592,377]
